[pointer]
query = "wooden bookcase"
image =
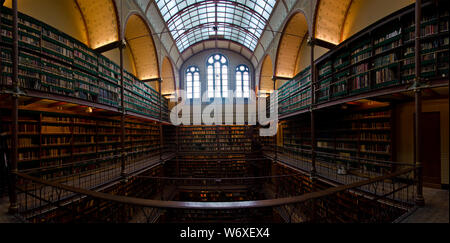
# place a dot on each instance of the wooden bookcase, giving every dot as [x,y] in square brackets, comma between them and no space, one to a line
[356,135]
[295,94]
[379,57]
[53,145]
[217,139]
[51,61]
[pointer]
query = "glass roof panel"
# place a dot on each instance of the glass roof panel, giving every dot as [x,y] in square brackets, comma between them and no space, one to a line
[192,21]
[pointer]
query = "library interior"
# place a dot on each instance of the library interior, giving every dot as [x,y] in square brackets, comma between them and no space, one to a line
[155,111]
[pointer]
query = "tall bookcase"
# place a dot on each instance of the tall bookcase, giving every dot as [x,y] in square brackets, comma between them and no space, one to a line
[51,61]
[295,94]
[297,137]
[215,139]
[356,136]
[379,57]
[53,145]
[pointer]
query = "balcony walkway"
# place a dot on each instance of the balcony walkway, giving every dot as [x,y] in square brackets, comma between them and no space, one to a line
[436,208]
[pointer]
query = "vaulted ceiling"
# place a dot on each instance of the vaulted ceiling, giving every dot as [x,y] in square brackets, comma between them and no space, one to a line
[193,21]
[294,34]
[101,21]
[140,41]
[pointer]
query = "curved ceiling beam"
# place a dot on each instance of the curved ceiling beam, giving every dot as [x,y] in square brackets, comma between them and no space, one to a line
[139,39]
[101,21]
[217,24]
[196,5]
[244,51]
[181,18]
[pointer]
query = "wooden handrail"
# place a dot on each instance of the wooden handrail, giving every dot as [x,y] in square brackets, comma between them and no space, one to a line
[214,205]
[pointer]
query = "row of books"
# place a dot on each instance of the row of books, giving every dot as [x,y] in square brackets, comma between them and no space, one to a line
[382,71]
[69,52]
[55,139]
[375,136]
[375,148]
[388,36]
[295,94]
[357,131]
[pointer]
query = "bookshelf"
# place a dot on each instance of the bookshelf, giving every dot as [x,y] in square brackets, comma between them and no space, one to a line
[53,145]
[380,57]
[52,62]
[365,134]
[297,137]
[221,139]
[295,94]
[209,166]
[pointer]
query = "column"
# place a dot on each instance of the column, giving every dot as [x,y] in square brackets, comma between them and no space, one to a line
[313,101]
[276,136]
[160,121]
[122,117]
[418,106]
[13,208]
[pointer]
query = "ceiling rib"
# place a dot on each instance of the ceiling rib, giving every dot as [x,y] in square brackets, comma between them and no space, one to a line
[183,19]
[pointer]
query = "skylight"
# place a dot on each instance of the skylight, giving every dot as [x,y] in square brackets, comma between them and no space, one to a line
[193,21]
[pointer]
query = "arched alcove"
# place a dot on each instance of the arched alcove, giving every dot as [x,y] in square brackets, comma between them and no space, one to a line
[294,35]
[100,19]
[266,82]
[167,75]
[140,42]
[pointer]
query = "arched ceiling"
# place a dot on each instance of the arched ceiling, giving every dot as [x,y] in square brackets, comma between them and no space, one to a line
[219,44]
[100,18]
[294,34]
[167,75]
[266,82]
[140,42]
[330,19]
[191,22]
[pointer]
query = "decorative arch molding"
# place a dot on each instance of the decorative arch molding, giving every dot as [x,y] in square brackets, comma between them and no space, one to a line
[216,44]
[295,32]
[101,21]
[139,39]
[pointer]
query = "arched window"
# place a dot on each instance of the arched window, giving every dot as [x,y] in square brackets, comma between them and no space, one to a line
[242,81]
[193,89]
[217,67]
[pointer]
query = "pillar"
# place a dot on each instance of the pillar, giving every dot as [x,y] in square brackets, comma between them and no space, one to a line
[13,208]
[418,106]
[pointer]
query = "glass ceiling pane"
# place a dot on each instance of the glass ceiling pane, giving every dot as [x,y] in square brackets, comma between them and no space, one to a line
[192,21]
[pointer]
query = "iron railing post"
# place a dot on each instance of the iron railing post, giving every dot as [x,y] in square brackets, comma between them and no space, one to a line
[14,207]
[276,135]
[418,104]
[313,101]
[160,121]
[122,115]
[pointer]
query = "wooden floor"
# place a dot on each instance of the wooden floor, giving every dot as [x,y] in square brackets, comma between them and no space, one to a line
[4,216]
[436,208]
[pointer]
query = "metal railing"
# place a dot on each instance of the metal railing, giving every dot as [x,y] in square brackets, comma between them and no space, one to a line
[340,169]
[44,201]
